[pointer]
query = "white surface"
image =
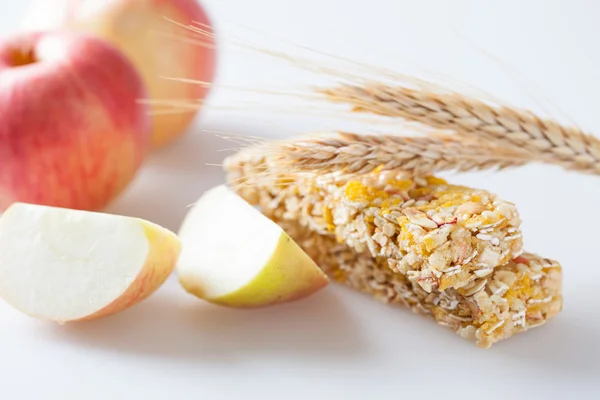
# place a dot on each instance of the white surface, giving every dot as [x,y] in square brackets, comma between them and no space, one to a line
[339,344]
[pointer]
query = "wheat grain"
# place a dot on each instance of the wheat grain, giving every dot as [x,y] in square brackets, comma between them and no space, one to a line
[358,154]
[544,139]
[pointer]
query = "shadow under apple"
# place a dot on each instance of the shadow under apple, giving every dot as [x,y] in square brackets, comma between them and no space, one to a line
[173,324]
[174,178]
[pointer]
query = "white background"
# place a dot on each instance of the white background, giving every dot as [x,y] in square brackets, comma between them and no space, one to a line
[340,344]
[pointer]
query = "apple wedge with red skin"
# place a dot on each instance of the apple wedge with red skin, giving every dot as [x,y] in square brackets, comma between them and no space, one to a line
[73,132]
[67,265]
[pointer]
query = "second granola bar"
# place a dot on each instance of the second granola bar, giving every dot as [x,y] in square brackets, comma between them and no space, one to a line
[439,235]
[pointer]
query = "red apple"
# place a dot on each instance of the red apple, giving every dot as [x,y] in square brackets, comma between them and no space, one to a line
[72,130]
[156,46]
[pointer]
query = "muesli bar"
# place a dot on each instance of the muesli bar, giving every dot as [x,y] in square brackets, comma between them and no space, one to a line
[438,235]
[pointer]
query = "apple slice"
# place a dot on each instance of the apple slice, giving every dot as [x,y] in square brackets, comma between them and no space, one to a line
[235,256]
[66,265]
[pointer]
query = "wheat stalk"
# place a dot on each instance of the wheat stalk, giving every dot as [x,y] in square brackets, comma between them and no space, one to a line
[430,104]
[358,154]
[544,139]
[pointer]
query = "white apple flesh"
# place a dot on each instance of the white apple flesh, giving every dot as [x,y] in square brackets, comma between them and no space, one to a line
[235,256]
[67,265]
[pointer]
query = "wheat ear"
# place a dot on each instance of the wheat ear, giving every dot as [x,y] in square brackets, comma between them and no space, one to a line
[545,139]
[357,154]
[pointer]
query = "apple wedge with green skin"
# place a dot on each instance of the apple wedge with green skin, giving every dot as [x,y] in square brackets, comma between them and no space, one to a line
[71,265]
[234,256]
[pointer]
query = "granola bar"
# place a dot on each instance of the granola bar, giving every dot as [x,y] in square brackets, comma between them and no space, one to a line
[515,297]
[450,252]
[438,235]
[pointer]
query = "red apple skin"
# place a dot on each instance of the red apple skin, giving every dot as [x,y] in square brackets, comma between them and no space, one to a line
[73,132]
[156,46]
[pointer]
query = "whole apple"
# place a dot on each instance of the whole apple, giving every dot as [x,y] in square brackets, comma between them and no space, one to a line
[158,48]
[72,130]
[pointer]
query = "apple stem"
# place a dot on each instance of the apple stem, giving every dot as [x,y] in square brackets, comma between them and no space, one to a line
[23,57]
